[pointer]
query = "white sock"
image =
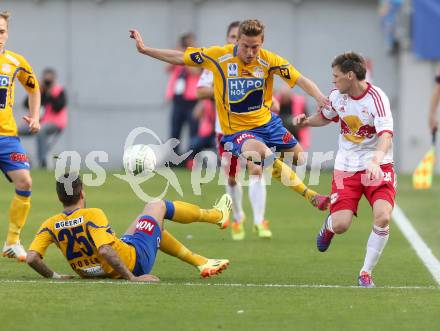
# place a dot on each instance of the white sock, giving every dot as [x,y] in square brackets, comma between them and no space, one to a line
[257,197]
[236,194]
[329,224]
[375,245]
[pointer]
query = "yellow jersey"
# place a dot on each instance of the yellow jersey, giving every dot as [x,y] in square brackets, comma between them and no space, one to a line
[79,235]
[13,65]
[243,92]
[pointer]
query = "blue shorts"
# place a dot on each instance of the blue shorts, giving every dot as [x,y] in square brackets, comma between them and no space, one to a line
[145,240]
[273,134]
[12,155]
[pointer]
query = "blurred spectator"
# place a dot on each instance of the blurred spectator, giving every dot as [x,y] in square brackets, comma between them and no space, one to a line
[435,101]
[181,90]
[389,12]
[290,106]
[204,112]
[54,117]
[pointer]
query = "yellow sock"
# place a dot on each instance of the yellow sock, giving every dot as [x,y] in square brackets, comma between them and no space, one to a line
[285,174]
[173,247]
[18,213]
[183,212]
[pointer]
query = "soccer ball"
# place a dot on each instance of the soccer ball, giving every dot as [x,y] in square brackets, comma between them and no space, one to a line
[139,160]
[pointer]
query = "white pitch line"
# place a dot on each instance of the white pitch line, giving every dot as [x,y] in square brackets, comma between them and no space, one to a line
[423,251]
[235,285]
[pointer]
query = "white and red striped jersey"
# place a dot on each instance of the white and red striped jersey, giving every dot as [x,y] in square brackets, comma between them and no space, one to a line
[207,80]
[363,120]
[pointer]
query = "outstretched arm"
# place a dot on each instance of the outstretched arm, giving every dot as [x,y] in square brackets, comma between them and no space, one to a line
[167,55]
[36,262]
[313,90]
[112,258]
[205,92]
[315,120]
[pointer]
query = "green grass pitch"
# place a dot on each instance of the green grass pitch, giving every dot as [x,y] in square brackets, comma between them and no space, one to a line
[241,298]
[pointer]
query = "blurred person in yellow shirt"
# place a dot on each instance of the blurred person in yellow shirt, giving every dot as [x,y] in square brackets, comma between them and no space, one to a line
[13,159]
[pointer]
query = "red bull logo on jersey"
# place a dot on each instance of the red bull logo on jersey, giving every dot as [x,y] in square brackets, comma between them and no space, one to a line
[354,130]
[146,226]
[245,94]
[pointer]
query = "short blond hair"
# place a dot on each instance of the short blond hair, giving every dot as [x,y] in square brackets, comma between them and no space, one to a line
[5,15]
[251,28]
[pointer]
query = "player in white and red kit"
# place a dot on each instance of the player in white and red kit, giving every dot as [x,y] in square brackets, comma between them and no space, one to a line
[257,188]
[364,162]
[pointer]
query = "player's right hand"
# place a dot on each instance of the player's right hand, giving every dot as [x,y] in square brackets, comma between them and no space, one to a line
[146,278]
[134,34]
[300,120]
[34,124]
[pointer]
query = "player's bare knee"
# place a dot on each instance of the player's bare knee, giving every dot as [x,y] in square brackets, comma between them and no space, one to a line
[24,183]
[382,218]
[340,228]
[341,225]
[232,181]
[155,207]
[255,170]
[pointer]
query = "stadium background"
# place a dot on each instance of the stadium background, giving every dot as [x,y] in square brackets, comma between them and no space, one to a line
[113,89]
[280,284]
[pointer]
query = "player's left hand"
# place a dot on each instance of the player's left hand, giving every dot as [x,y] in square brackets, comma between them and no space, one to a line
[34,124]
[374,171]
[134,34]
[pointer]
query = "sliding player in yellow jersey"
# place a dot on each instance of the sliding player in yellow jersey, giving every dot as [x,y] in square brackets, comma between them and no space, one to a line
[13,159]
[92,249]
[243,84]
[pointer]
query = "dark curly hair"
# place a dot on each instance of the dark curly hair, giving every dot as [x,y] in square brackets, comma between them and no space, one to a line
[351,61]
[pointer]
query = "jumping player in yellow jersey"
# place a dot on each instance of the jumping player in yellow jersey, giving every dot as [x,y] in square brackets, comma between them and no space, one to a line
[243,84]
[13,159]
[92,249]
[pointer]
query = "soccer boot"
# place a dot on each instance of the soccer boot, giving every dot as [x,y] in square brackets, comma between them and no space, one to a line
[237,229]
[320,201]
[324,238]
[365,280]
[224,205]
[263,230]
[212,267]
[15,251]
